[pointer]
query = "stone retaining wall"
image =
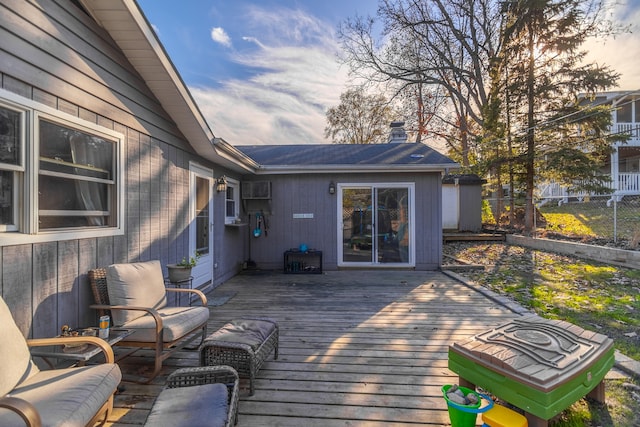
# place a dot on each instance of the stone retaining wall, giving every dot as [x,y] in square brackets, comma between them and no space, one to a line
[613,256]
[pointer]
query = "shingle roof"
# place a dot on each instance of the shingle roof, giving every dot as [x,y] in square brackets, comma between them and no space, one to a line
[414,156]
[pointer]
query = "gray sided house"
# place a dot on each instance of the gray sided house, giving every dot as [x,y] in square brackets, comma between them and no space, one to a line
[361,205]
[105,158]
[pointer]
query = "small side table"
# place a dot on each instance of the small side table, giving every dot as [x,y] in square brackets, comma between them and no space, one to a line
[297,262]
[186,283]
[79,355]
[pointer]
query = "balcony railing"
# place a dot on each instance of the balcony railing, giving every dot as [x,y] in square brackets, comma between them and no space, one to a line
[628,185]
[631,129]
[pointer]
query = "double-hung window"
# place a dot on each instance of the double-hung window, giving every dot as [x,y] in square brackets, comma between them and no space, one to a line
[232,205]
[59,175]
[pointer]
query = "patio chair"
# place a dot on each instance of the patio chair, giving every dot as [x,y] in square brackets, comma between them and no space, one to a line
[76,396]
[135,295]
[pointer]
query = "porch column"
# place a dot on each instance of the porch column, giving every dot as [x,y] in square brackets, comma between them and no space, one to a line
[615,167]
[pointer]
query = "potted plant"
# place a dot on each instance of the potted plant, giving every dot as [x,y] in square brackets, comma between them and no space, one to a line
[182,270]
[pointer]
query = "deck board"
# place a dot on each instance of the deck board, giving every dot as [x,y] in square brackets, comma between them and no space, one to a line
[356,348]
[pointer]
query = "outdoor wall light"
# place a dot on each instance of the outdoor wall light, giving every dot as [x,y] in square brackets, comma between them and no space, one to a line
[221,184]
[332,188]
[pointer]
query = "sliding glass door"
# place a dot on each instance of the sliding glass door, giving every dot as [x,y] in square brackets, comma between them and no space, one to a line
[376,224]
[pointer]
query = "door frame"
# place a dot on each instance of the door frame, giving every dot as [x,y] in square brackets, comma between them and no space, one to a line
[202,273]
[410,186]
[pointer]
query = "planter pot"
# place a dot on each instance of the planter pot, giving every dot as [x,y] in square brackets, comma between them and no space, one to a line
[178,273]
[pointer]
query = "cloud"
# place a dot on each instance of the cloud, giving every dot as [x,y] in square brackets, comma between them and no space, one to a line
[219,35]
[620,52]
[294,77]
[254,41]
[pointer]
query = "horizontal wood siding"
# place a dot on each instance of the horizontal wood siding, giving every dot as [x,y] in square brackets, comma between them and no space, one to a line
[295,194]
[55,54]
[55,47]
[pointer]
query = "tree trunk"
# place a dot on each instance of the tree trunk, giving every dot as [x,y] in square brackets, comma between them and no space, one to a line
[530,156]
[464,140]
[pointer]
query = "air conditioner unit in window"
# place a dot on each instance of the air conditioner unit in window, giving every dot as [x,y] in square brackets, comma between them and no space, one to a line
[256,190]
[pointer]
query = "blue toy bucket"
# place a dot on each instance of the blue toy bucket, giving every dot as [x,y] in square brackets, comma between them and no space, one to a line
[465,415]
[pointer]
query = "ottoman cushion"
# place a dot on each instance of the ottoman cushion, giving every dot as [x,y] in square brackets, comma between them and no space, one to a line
[244,331]
[195,406]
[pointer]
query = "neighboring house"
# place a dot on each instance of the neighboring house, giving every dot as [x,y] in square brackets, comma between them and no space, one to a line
[106,158]
[624,164]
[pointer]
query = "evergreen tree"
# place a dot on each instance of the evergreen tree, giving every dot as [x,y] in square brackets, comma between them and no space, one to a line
[555,134]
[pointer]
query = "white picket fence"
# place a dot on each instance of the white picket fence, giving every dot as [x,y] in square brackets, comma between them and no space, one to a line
[628,185]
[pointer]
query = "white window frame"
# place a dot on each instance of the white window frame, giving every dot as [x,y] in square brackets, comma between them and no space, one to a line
[411,187]
[17,170]
[26,184]
[235,184]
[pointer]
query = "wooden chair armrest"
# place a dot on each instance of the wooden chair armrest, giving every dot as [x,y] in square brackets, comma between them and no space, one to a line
[98,342]
[24,409]
[201,295]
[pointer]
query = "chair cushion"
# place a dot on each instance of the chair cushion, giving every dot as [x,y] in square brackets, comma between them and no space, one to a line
[176,322]
[66,397]
[138,284]
[14,353]
[244,331]
[199,405]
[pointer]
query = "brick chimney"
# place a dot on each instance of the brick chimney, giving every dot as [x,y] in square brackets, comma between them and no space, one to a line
[397,134]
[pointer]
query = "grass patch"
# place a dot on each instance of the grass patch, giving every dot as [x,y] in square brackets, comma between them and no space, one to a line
[619,411]
[594,219]
[568,223]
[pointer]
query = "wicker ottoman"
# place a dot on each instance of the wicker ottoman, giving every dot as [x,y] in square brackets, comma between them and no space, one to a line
[243,344]
[206,396]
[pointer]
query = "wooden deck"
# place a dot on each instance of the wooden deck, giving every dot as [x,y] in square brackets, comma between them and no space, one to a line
[357,348]
[473,237]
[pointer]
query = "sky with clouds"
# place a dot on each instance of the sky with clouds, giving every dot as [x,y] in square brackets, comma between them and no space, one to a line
[265,72]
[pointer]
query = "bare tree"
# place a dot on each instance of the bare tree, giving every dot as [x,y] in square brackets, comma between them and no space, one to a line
[510,71]
[360,118]
[441,43]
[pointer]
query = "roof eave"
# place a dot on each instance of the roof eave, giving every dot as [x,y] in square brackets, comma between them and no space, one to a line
[325,169]
[224,149]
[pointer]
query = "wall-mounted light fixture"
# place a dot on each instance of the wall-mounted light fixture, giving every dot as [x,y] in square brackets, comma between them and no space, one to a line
[332,188]
[221,184]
